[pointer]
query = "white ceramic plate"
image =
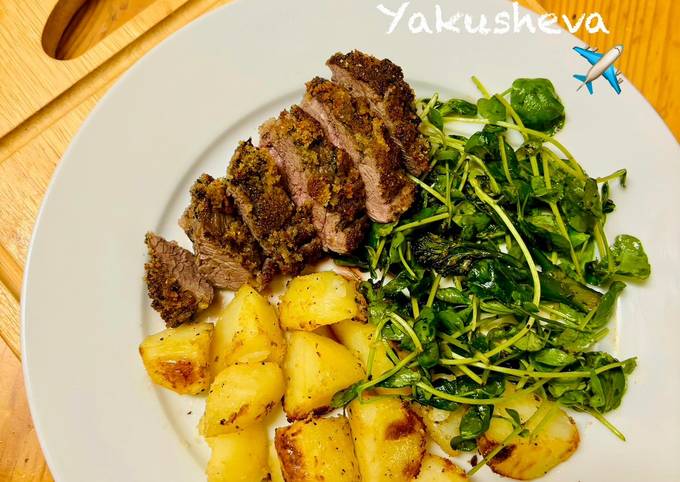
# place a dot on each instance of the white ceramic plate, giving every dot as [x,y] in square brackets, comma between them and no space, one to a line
[180,112]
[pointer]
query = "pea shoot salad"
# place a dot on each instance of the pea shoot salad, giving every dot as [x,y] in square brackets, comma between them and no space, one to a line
[501,274]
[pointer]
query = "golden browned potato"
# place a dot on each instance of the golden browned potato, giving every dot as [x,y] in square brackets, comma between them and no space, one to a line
[239,456]
[389,439]
[247,331]
[178,358]
[317,449]
[326,331]
[527,458]
[316,368]
[275,472]
[240,396]
[358,337]
[319,299]
[439,469]
[441,425]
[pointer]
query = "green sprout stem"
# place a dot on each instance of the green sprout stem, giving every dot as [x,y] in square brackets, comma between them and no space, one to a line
[406,328]
[545,420]
[534,165]
[414,307]
[422,222]
[480,87]
[475,315]
[492,180]
[615,175]
[600,418]
[603,245]
[554,158]
[402,363]
[427,188]
[472,375]
[588,317]
[515,117]
[378,252]
[405,264]
[463,180]
[552,311]
[504,160]
[426,110]
[453,341]
[433,290]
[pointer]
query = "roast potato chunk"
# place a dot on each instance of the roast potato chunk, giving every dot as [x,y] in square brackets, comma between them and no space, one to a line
[317,449]
[316,368]
[358,338]
[389,439]
[239,456]
[441,425]
[319,299]
[526,458]
[275,471]
[178,358]
[439,469]
[240,396]
[247,331]
[326,331]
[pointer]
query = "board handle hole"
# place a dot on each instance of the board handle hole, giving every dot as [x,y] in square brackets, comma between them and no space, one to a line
[75,26]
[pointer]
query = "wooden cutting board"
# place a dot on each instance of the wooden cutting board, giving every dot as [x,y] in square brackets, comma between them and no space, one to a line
[58,57]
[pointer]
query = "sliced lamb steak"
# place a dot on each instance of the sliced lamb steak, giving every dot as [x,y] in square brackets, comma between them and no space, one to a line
[176,288]
[320,174]
[285,233]
[349,124]
[228,255]
[382,83]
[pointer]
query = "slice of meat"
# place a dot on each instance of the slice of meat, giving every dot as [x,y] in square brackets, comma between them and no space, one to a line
[228,255]
[176,288]
[285,233]
[349,124]
[319,173]
[382,83]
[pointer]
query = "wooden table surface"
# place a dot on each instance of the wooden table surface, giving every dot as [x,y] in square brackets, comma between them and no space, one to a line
[30,151]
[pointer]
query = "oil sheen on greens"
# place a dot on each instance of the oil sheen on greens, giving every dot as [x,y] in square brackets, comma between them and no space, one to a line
[501,273]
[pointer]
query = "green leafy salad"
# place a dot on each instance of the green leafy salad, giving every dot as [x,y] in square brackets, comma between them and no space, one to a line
[501,275]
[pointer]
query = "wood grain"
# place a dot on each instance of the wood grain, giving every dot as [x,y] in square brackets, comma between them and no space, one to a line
[24,65]
[93,22]
[47,122]
[10,272]
[21,459]
[9,334]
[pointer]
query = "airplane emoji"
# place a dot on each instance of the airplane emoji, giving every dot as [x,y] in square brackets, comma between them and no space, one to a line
[602,64]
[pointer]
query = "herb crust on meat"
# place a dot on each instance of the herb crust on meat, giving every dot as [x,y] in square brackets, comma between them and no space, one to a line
[321,174]
[349,123]
[382,83]
[228,255]
[285,233]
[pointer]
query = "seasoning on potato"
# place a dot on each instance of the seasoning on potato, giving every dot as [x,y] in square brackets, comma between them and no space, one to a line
[178,358]
[319,299]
